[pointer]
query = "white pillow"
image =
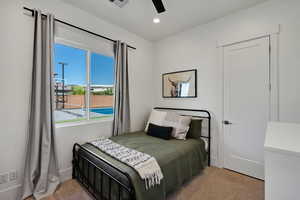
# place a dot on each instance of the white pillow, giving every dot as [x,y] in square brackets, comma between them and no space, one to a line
[180,124]
[157,118]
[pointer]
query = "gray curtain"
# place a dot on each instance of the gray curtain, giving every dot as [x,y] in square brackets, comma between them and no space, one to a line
[41,175]
[121,123]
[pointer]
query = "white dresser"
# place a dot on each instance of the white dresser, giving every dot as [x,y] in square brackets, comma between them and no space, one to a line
[282,161]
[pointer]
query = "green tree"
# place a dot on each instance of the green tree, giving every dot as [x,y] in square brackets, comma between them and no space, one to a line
[108,92]
[78,90]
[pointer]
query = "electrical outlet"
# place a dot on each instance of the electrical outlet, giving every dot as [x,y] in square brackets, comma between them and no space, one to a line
[12,175]
[3,178]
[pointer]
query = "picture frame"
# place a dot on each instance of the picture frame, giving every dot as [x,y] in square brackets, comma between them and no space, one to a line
[180,84]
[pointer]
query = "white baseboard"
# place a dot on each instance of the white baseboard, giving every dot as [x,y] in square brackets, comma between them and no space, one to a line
[12,192]
[65,174]
[214,162]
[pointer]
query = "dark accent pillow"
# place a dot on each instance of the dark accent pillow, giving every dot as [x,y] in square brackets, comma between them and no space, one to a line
[195,129]
[162,132]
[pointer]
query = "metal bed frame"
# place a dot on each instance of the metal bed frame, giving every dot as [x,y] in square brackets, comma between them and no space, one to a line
[87,165]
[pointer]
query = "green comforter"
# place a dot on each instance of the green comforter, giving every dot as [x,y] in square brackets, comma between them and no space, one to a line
[179,160]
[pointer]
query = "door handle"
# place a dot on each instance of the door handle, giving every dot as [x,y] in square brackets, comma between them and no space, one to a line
[226,122]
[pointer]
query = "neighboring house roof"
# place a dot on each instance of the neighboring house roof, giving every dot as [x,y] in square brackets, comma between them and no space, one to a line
[102,86]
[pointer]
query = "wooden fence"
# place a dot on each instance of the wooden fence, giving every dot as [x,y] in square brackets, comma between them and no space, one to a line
[79,101]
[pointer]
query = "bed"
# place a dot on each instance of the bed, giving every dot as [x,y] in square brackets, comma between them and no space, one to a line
[107,178]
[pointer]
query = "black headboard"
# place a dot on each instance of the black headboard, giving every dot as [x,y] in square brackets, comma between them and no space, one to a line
[203,114]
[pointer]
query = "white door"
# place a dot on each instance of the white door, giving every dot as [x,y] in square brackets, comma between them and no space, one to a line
[246,105]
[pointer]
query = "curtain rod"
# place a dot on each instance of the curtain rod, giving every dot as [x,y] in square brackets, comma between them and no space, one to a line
[77,27]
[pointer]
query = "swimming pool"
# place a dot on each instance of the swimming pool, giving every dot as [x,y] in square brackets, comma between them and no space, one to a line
[106,111]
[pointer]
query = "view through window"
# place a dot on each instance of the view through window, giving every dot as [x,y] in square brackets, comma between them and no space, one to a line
[82,92]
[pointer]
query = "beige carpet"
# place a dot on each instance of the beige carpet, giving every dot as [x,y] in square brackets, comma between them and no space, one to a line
[221,184]
[213,184]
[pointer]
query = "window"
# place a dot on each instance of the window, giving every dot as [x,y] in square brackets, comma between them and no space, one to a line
[84,84]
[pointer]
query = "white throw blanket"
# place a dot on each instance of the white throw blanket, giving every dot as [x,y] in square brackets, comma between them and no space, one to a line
[146,165]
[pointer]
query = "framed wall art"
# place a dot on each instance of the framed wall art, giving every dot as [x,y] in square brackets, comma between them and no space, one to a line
[180,84]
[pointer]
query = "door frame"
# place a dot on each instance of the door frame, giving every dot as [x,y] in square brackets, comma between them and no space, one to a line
[273,36]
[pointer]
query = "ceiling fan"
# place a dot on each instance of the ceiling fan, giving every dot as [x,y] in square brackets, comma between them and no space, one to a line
[158,4]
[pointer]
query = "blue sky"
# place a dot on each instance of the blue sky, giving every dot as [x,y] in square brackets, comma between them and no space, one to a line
[75,72]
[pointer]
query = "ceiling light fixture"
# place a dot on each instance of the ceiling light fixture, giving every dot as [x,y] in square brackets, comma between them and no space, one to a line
[156,20]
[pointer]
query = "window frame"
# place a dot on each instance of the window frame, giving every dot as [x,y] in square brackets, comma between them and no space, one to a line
[89,51]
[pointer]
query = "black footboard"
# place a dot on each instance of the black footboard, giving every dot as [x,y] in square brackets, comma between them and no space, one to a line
[101,179]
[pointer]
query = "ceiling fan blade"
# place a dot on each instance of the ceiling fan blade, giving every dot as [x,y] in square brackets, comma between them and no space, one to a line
[159,6]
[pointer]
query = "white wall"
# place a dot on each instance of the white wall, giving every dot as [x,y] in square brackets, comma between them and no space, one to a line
[16,36]
[196,48]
